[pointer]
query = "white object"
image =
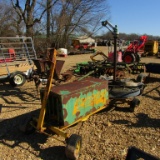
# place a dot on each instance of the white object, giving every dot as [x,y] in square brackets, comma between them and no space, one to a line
[62,51]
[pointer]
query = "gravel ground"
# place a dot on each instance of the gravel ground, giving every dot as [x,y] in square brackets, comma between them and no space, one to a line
[106,135]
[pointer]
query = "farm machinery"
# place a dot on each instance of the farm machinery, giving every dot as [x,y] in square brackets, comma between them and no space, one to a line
[134,50]
[67,104]
[120,88]
[138,48]
[16,54]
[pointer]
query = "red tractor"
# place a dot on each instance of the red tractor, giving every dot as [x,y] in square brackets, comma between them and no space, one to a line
[134,50]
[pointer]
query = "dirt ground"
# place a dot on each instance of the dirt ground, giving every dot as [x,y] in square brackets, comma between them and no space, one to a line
[106,135]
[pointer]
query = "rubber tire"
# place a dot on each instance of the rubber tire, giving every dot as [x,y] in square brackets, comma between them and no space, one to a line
[17,79]
[134,103]
[74,143]
[137,57]
[132,57]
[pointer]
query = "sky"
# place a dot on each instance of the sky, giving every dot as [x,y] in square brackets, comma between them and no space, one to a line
[136,16]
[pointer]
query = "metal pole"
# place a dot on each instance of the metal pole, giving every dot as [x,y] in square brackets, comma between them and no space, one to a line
[115,34]
[40,123]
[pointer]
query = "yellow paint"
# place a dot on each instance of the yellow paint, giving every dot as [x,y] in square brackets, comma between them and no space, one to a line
[92,100]
[75,109]
[47,91]
[59,132]
[82,119]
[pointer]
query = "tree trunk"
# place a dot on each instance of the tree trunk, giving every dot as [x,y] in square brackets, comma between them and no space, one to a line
[48,18]
[29,31]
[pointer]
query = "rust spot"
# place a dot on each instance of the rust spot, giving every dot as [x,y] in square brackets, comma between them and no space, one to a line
[77,114]
[92,110]
[65,113]
[66,123]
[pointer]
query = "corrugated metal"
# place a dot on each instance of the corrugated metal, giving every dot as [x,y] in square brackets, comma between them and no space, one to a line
[73,101]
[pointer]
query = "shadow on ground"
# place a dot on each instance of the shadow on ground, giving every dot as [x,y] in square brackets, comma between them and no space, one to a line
[23,93]
[143,120]
[152,79]
[10,132]
[157,89]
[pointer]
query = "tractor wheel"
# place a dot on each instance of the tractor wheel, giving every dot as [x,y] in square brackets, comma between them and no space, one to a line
[137,57]
[129,58]
[74,143]
[17,79]
[134,103]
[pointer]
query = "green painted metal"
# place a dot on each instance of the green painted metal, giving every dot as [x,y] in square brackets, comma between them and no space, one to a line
[79,106]
[78,66]
[74,101]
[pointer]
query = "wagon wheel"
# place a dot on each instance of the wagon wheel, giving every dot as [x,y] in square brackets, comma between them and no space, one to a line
[134,103]
[17,79]
[74,143]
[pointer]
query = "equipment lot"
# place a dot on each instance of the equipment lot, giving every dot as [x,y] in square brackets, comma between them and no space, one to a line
[106,135]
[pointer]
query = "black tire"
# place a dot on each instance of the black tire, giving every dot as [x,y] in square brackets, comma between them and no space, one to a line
[137,57]
[74,143]
[134,103]
[129,58]
[17,79]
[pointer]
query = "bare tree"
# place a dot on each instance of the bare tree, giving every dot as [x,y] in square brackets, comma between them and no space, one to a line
[28,14]
[48,17]
[9,22]
[77,17]
[69,17]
